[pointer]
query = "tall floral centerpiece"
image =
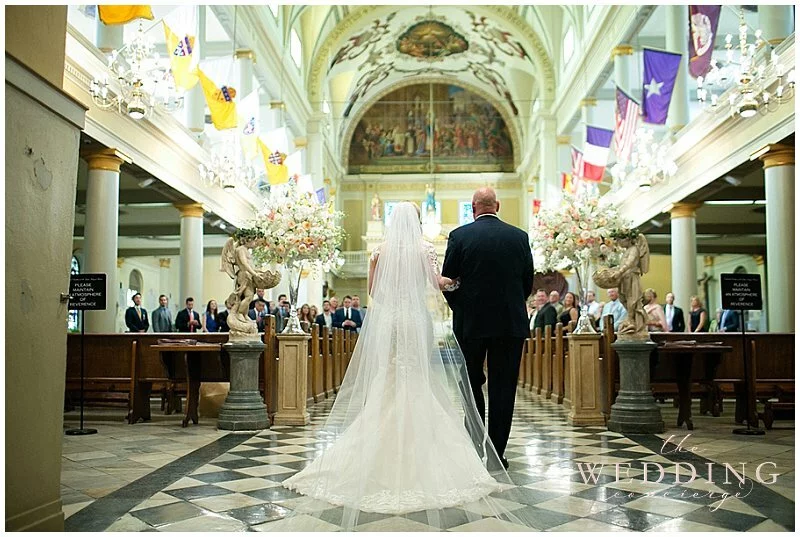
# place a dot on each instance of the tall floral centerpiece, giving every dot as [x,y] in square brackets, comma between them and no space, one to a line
[573,235]
[300,233]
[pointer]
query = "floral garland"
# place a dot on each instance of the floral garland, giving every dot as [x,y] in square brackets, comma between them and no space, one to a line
[581,229]
[293,227]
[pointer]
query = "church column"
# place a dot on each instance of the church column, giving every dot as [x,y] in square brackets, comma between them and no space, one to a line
[548,158]
[622,55]
[587,110]
[779,186]
[191,283]
[101,232]
[763,320]
[245,59]
[315,151]
[677,37]
[776,22]
[684,255]
[195,103]
[564,153]
[108,38]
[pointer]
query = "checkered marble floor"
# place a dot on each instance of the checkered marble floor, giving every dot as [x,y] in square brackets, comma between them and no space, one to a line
[232,482]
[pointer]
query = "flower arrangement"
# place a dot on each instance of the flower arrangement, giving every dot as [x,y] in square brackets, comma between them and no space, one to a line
[293,228]
[582,229]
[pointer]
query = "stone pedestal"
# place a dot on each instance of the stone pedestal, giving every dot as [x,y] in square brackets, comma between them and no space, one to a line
[583,395]
[292,379]
[244,409]
[635,410]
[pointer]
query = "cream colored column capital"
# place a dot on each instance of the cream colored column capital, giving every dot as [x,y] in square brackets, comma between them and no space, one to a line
[300,142]
[120,261]
[778,155]
[684,210]
[104,159]
[277,105]
[621,50]
[564,139]
[589,101]
[190,209]
[708,261]
[759,259]
[245,54]
[164,262]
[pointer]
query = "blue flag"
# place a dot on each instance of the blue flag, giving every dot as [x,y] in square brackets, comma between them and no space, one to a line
[660,72]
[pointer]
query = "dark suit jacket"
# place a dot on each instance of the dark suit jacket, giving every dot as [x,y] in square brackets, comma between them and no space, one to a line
[222,318]
[678,322]
[493,260]
[182,321]
[731,321]
[133,322]
[339,318]
[546,316]
[320,320]
[260,322]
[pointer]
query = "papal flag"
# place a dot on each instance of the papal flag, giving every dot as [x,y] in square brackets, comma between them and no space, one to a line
[180,31]
[277,172]
[124,14]
[248,127]
[215,79]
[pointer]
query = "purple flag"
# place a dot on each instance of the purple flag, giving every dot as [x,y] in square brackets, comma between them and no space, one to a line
[321,196]
[703,22]
[660,72]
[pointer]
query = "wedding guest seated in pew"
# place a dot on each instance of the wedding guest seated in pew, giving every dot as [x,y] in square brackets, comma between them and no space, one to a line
[570,312]
[547,312]
[615,308]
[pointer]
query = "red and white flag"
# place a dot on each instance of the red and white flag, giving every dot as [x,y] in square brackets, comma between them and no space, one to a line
[627,119]
[577,163]
[595,153]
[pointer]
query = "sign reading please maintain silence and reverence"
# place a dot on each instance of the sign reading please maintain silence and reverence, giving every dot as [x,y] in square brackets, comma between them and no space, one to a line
[741,291]
[87,292]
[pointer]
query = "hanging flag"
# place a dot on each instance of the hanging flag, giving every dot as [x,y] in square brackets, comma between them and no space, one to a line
[294,163]
[180,31]
[537,206]
[124,14]
[627,116]
[321,196]
[577,162]
[215,77]
[248,127]
[277,173]
[703,21]
[595,153]
[567,184]
[660,72]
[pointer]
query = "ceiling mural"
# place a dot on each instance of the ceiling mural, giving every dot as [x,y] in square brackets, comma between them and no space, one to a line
[430,128]
[453,42]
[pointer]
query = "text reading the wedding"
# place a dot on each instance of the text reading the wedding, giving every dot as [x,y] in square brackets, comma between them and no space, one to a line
[741,291]
[87,292]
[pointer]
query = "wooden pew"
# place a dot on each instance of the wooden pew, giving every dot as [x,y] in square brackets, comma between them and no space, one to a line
[327,362]
[537,361]
[547,363]
[557,393]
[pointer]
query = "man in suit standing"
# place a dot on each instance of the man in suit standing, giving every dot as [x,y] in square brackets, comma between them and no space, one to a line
[188,320]
[547,314]
[136,316]
[361,311]
[259,296]
[259,314]
[347,317]
[162,317]
[493,260]
[281,312]
[326,317]
[674,315]
[730,321]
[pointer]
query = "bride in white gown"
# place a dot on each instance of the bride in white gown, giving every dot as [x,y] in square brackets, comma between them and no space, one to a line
[404,433]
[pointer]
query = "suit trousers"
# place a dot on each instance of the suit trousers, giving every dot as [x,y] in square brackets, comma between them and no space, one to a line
[503,355]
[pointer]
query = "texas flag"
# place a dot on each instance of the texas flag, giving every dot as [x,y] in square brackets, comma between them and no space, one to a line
[595,153]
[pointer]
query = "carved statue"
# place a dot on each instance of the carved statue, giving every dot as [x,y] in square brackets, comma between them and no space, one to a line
[237,263]
[627,277]
[376,208]
[430,200]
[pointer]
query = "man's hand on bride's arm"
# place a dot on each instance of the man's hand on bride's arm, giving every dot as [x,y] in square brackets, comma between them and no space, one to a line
[448,284]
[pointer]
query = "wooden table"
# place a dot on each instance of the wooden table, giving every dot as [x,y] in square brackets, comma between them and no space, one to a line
[192,373]
[684,354]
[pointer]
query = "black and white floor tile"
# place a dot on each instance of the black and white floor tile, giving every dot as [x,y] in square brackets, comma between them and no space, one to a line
[157,476]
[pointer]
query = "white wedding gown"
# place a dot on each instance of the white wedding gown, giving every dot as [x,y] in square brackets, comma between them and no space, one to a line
[404,432]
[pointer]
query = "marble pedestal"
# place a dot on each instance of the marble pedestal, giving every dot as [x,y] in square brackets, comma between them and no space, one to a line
[292,379]
[635,409]
[244,409]
[584,396]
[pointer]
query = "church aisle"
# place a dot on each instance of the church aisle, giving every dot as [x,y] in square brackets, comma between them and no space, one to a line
[157,476]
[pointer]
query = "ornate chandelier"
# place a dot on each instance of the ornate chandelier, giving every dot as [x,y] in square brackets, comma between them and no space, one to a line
[229,168]
[649,164]
[144,81]
[750,93]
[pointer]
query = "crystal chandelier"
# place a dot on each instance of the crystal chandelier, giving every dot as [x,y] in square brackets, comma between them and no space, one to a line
[144,81]
[750,93]
[649,164]
[228,168]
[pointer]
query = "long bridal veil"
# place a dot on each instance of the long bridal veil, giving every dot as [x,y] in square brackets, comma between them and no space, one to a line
[404,436]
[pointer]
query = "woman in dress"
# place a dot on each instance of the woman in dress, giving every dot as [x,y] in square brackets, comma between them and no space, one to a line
[304,316]
[656,319]
[404,434]
[210,320]
[314,312]
[699,316]
[570,311]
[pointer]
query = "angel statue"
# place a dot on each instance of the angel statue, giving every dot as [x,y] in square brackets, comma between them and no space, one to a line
[627,277]
[237,263]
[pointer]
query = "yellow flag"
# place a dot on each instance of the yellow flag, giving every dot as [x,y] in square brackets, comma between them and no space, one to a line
[182,58]
[277,172]
[220,102]
[124,14]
